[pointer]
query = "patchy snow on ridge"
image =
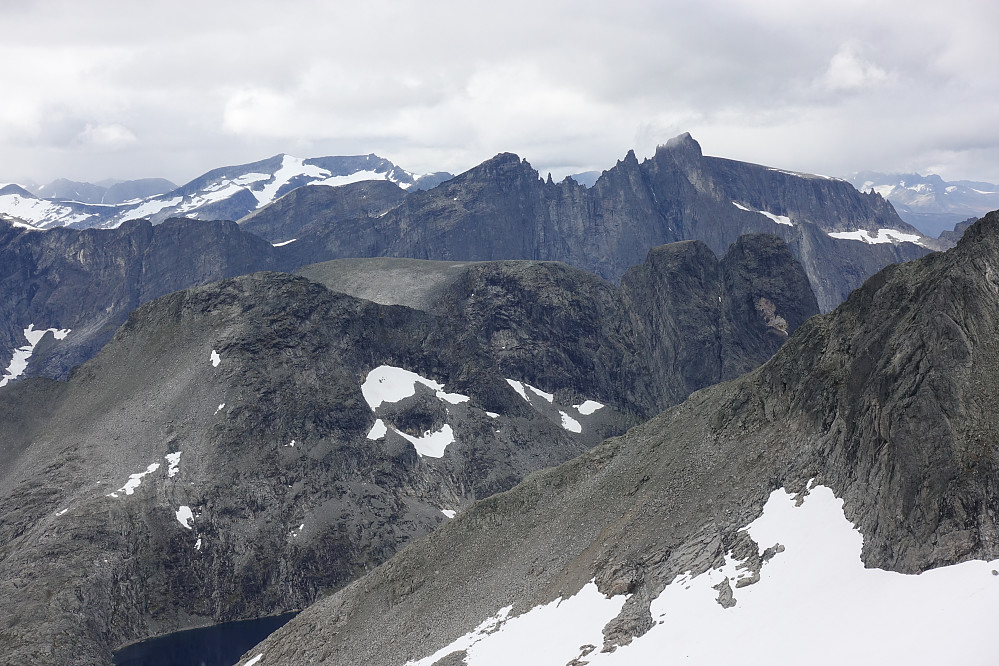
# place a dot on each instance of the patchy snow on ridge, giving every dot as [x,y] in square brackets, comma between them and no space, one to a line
[21,356]
[882,236]
[813,598]
[40,212]
[152,207]
[387,383]
[356,177]
[587,407]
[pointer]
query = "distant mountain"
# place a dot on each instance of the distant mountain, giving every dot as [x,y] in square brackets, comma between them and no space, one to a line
[930,203]
[499,210]
[242,448]
[787,511]
[502,209]
[586,178]
[227,193]
[88,281]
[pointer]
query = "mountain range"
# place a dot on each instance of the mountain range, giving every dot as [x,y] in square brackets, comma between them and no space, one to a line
[930,203]
[88,281]
[433,416]
[226,193]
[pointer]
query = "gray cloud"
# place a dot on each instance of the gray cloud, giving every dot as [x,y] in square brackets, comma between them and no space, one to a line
[104,89]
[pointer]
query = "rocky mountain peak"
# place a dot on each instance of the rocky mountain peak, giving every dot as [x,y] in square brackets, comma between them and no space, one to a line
[682,143]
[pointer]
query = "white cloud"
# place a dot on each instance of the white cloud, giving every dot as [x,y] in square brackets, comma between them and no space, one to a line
[849,71]
[568,85]
[109,137]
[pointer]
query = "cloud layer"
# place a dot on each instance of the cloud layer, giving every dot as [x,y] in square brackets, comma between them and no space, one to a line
[110,89]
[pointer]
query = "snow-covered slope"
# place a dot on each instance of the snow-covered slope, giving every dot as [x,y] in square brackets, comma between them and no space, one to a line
[229,192]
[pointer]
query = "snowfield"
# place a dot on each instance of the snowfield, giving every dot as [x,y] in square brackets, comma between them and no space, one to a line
[815,602]
[882,236]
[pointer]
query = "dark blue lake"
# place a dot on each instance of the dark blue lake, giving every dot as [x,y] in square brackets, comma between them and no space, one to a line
[218,645]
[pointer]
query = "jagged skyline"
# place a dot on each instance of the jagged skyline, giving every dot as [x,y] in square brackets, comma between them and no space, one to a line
[172,90]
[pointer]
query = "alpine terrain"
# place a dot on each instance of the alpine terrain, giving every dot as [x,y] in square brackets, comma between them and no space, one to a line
[503,209]
[241,448]
[838,502]
[87,281]
[930,203]
[226,193]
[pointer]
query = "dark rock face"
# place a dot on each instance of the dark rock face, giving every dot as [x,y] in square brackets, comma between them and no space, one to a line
[887,400]
[502,209]
[305,209]
[89,281]
[951,237]
[721,317]
[289,495]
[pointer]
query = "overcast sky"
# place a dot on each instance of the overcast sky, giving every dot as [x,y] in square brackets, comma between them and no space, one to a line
[99,89]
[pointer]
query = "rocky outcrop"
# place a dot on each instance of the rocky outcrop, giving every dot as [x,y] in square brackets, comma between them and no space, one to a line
[886,401]
[219,460]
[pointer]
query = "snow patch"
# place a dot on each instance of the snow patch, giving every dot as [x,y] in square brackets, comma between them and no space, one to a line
[378,430]
[21,356]
[254,660]
[550,634]
[569,423]
[174,460]
[492,415]
[815,591]
[134,481]
[779,219]
[387,383]
[520,386]
[587,407]
[448,512]
[152,207]
[197,544]
[283,243]
[431,444]
[59,513]
[882,236]
[219,408]
[216,359]
[185,516]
